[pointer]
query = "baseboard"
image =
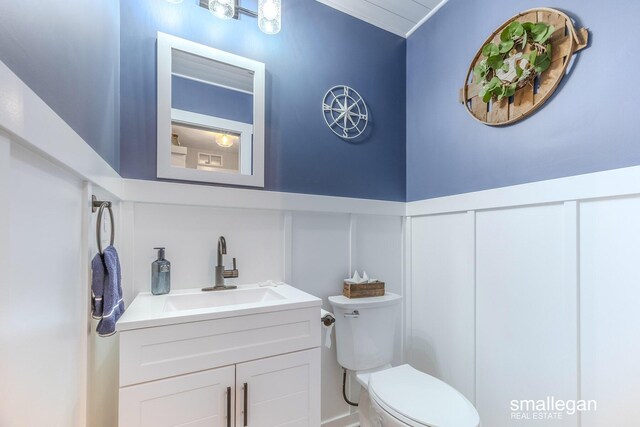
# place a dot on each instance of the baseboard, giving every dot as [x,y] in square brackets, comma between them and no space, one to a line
[346,420]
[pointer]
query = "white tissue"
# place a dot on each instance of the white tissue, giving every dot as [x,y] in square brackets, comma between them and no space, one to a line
[357,279]
[328,329]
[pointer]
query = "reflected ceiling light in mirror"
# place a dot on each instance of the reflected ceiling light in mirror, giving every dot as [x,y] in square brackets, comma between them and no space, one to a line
[269,16]
[269,12]
[223,9]
[224,141]
[174,1]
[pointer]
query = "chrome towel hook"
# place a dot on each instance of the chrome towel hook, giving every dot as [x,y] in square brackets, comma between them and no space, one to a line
[100,205]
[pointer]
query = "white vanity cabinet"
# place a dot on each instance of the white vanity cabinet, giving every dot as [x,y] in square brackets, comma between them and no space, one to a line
[279,390]
[257,369]
[199,399]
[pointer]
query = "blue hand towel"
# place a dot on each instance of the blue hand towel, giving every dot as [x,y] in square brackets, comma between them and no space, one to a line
[106,289]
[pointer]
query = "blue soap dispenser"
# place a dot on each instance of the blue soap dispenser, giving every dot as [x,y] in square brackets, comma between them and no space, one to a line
[160,274]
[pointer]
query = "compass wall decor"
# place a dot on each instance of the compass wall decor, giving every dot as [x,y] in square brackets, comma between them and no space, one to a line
[345,112]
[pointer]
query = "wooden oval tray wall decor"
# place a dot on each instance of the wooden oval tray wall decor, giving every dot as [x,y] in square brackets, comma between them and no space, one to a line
[565,41]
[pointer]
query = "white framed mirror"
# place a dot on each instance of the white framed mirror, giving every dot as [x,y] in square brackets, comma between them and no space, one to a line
[211,106]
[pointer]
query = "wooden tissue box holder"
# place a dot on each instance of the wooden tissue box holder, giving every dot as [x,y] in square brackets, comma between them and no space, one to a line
[363,290]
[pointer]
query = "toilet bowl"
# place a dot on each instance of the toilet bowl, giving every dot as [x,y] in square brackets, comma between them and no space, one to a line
[404,396]
[391,396]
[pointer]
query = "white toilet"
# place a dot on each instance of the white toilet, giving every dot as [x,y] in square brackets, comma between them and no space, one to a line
[391,396]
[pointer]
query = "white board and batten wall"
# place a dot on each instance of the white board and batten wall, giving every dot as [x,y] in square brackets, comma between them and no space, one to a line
[45,334]
[41,214]
[47,176]
[531,291]
[48,221]
[313,251]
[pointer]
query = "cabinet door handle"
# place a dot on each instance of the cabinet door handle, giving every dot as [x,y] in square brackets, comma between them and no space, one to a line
[246,392]
[228,406]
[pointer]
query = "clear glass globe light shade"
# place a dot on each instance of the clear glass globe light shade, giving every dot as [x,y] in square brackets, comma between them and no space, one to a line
[270,16]
[270,11]
[223,9]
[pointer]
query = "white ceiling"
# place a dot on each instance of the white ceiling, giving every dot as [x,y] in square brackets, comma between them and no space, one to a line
[400,17]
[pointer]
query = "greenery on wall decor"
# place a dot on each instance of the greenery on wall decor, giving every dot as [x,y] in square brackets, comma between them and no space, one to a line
[514,72]
[522,53]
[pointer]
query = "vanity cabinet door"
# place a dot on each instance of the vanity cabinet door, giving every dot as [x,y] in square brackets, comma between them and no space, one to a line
[194,400]
[280,390]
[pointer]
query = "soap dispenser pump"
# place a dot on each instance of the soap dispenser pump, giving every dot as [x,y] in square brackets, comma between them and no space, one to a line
[160,274]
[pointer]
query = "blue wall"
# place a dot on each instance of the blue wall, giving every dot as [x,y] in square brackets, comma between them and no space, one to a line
[67,52]
[317,48]
[69,55]
[216,101]
[590,124]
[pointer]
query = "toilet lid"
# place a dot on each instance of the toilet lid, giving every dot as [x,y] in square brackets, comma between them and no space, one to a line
[412,394]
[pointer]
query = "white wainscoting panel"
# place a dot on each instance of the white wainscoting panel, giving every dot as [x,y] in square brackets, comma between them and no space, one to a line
[526,313]
[610,323]
[376,247]
[314,251]
[320,253]
[319,262]
[190,235]
[556,294]
[43,309]
[442,327]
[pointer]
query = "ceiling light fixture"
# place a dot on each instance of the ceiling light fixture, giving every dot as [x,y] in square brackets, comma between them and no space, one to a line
[269,12]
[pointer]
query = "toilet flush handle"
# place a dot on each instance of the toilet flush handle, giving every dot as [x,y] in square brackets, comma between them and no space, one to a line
[354,313]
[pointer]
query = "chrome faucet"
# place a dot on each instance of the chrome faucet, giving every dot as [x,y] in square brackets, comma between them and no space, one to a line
[221,273]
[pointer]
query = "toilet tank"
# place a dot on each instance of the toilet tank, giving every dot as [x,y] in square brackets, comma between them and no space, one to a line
[365,330]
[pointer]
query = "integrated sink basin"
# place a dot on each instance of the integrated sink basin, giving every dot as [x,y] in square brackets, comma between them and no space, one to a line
[191,305]
[194,301]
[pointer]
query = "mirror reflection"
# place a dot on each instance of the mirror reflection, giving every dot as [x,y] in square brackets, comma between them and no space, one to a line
[211,114]
[204,149]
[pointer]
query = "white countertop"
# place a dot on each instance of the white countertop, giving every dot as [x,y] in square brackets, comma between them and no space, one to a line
[149,310]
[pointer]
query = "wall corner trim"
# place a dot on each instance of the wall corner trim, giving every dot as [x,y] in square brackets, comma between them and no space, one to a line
[426,18]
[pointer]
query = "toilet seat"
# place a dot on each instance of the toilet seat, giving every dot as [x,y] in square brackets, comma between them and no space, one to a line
[418,399]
